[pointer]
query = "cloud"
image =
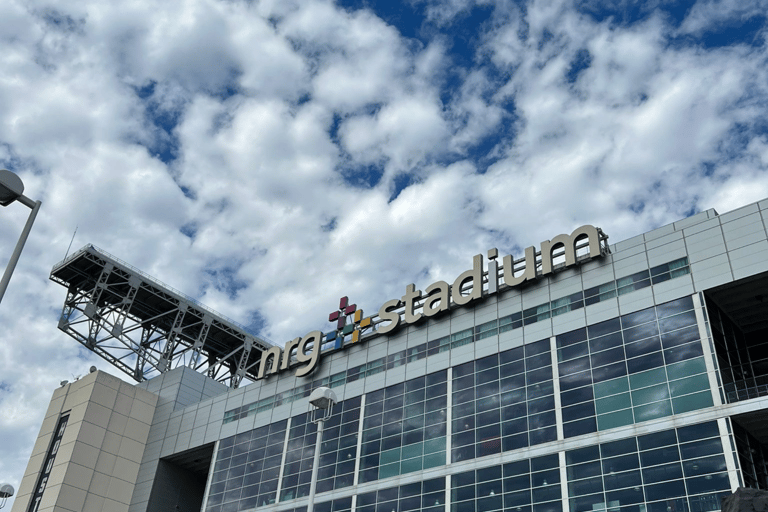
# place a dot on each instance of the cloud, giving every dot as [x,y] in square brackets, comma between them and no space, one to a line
[268,158]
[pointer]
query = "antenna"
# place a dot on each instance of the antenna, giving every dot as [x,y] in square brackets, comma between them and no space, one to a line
[70,242]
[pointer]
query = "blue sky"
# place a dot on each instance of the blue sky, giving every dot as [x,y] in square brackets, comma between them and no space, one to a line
[269,157]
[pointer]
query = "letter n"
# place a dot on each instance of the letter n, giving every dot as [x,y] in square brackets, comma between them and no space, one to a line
[275,354]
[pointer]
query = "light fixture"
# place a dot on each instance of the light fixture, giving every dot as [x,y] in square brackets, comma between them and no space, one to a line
[6,491]
[12,189]
[322,400]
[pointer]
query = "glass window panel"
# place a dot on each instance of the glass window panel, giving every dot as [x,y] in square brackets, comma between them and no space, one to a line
[638,318]
[610,372]
[517,499]
[608,356]
[647,378]
[643,363]
[650,394]
[538,361]
[543,435]
[675,306]
[605,342]
[676,505]
[540,389]
[625,496]
[584,470]
[613,403]
[603,328]
[580,455]
[575,412]
[698,431]
[579,427]
[573,366]
[641,332]
[704,465]
[709,483]
[643,347]
[511,355]
[541,420]
[657,439]
[662,473]
[487,375]
[544,463]
[621,447]
[664,490]
[516,468]
[537,347]
[622,480]
[659,456]
[511,382]
[576,396]
[572,351]
[683,352]
[680,337]
[546,493]
[615,419]
[678,321]
[576,380]
[701,448]
[621,463]
[611,387]
[541,404]
[539,375]
[591,503]
[652,411]
[683,369]
[692,402]
[690,385]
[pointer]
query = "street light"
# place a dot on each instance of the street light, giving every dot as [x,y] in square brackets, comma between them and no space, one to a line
[322,399]
[11,189]
[6,491]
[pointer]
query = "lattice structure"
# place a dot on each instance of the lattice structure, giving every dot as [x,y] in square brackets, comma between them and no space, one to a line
[144,327]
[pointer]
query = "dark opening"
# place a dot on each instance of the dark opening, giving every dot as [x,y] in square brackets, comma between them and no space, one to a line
[180,481]
[738,316]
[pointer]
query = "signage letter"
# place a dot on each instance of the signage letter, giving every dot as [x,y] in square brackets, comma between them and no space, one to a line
[411,294]
[316,338]
[475,275]
[441,295]
[386,313]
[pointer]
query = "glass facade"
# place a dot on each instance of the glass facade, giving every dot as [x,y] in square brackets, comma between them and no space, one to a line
[523,486]
[503,402]
[638,367]
[404,428]
[671,470]
[578,300]
[642,366]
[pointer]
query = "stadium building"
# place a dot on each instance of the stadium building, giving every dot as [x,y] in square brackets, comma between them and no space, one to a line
[583,376]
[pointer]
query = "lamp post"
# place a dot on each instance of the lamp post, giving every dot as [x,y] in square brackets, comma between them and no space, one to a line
[11,189]
[322,399]
[6,491]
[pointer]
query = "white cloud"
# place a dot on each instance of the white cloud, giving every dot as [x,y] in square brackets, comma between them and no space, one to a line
[273,108]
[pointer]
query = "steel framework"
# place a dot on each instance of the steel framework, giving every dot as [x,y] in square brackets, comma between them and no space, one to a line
[144,327]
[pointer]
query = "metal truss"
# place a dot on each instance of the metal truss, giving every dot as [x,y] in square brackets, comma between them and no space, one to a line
[144,327]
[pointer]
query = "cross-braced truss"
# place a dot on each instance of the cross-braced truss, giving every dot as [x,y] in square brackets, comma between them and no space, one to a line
[144,327]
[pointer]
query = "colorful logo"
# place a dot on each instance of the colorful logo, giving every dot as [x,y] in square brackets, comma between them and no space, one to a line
[344,329]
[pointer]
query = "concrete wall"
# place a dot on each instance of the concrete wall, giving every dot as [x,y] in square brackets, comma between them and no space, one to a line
[96,461]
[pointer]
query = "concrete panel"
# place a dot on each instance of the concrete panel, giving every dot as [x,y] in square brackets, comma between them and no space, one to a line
[659,232]
[738,213]
[663,240]
[629,243]
[749,260]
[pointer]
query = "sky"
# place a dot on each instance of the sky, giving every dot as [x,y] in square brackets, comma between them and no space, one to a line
[269,157]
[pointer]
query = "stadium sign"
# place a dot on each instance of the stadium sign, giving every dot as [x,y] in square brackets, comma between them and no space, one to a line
[437,298]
